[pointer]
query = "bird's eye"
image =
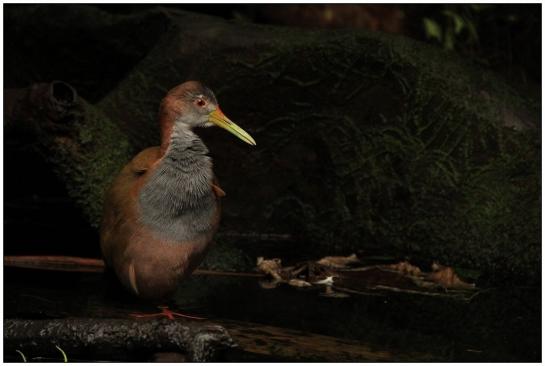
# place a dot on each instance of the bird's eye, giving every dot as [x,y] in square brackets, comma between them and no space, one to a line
[201,102]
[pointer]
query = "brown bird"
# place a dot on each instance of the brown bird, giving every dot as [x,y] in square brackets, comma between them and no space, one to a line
[163,209]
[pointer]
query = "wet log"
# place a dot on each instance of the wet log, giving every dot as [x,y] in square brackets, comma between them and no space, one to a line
[117,339]
[365,141]
[129,340]
[280,344]
[89,265]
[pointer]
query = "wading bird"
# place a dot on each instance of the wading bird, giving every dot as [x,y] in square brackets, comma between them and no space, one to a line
[161,212]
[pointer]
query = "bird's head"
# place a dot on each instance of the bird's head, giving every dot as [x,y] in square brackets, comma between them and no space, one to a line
[194,105]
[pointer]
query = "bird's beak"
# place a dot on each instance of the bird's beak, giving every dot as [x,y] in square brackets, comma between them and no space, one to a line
[219,119]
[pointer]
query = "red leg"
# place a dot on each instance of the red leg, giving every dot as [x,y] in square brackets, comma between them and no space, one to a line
[165,311]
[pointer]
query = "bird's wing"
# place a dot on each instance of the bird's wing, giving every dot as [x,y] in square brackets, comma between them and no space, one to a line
[120,203]
[142,162]
[217,189]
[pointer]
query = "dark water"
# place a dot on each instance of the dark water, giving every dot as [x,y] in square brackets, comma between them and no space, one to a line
[498,324]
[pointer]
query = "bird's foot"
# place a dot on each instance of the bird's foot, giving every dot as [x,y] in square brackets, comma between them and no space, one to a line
[166,312]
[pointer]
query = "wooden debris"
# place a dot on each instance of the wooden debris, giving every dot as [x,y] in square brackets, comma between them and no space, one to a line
[55,263]
[334,273]
[399,277]
[198,341]
[273,268]
[91,265]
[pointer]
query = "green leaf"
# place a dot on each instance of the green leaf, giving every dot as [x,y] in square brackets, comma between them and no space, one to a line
[433,30]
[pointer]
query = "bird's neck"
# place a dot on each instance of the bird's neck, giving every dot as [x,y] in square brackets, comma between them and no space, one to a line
[180,146]
[185,169]
[184,146]
[167,122]
[177,199]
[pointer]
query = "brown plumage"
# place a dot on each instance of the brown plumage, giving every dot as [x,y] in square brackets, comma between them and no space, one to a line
[162,210]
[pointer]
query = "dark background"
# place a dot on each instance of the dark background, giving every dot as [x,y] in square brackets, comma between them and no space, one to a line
[39,218]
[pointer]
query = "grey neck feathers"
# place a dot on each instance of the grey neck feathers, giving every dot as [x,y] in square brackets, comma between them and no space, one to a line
[177,202]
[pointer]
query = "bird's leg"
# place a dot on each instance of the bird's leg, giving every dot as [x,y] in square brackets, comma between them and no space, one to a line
[166,312]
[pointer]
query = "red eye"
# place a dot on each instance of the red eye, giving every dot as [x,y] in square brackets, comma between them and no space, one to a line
[201,103]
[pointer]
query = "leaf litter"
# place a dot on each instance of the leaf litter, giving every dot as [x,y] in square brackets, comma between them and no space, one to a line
[341,276]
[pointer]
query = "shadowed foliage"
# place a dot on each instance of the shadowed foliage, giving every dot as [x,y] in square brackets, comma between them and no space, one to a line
[365,141]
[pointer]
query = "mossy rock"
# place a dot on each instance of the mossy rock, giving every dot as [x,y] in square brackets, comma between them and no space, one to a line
[365,142]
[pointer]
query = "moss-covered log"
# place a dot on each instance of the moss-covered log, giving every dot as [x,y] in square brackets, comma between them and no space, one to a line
[365,141]
[83,145]
[124,339]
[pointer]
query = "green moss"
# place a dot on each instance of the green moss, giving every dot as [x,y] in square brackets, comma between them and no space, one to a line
[365,141]
[89,158]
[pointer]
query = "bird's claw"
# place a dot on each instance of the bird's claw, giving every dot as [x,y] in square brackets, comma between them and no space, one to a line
[166,312]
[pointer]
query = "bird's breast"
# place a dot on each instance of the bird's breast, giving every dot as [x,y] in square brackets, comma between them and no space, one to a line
[178,204]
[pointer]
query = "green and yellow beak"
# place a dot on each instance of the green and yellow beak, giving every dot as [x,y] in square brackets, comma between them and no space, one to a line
[219,119]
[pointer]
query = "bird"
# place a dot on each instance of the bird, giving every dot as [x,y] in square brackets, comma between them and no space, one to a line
[161,212]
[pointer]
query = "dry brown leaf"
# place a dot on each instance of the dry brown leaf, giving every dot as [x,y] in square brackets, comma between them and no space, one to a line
[270,267]
[339,262]
[446,277]
[405,268]
[298,283]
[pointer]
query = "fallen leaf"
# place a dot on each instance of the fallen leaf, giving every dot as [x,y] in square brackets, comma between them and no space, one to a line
[405,268]
[339,262]
[446,277]
[270,267]
[298,283]
[326,281]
